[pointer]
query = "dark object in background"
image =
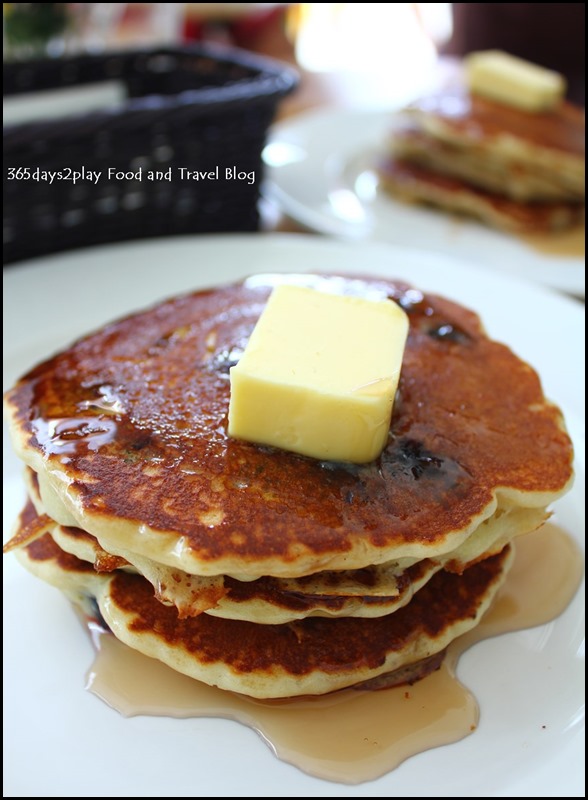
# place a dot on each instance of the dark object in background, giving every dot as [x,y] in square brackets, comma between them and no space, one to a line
[261,28]
[549,34]
[197,107]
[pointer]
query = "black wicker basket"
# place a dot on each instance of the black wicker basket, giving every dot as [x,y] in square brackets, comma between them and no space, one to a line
[196,108]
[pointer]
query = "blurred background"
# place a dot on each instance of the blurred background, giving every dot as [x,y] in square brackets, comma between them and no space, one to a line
[151,104]
[362,54]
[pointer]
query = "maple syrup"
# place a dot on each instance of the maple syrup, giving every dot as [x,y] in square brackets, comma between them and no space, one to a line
[353,735]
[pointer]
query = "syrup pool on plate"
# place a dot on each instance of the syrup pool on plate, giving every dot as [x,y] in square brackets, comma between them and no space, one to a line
[352,736]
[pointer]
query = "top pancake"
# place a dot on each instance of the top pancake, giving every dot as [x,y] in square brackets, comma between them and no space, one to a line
[127,429]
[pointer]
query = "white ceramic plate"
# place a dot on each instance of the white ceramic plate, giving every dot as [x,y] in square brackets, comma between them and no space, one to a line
[62,741]
[320,171]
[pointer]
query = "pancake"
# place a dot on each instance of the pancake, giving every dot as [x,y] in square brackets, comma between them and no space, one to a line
[127,432]
[370,592]
[267,601]
[307,657]
[520,171]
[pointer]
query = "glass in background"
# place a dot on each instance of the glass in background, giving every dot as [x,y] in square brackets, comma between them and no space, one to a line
[386,53]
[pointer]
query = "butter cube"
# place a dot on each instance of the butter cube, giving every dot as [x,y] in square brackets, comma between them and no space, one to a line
[513,81]
[319,375]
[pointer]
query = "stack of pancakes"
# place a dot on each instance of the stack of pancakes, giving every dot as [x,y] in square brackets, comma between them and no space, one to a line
[512,169]
[255,569]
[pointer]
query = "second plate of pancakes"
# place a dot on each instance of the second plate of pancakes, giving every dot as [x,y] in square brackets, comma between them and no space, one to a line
[322,171]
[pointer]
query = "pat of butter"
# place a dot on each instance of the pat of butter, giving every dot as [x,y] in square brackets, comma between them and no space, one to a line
[513,81]
[319,375]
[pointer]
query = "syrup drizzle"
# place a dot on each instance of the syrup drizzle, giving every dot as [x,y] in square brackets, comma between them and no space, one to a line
[353,736]
[566,244]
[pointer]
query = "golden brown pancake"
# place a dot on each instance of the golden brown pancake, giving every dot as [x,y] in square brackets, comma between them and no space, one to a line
[127,431]
[312,656]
